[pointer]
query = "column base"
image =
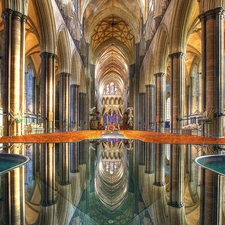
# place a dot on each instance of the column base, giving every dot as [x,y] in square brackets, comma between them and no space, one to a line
[176,214]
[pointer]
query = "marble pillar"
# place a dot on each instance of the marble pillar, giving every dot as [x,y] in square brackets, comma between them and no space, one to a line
[47,91]
[212,23]
[74,106]
[12,102]
[47,174]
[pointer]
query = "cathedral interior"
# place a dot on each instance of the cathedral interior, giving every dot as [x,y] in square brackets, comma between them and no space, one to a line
[107,99]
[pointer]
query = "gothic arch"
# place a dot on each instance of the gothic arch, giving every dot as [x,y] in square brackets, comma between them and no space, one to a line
[83,82]
[208,5]
[75,68]
[162,47]
[142,81]
[181,23]
[148,68]
[17,5]
[63,51]
[46,22]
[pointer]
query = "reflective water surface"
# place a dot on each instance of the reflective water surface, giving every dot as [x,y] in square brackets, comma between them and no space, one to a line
[109,181]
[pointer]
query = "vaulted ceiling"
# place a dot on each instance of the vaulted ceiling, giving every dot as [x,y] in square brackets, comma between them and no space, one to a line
[112,30]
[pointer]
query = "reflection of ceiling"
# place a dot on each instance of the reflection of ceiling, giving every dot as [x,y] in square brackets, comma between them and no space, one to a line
[112,28]
[111,181]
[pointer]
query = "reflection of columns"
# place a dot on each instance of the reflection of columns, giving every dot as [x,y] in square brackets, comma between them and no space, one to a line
[74,106]
[74,157]
[83,146]
[47,90]
[12,97]
[47,174]
[159,165]
[141,152]
[160,100]
[149,162]
[176,176]
[150,107]
[64,163]
[212,96]
[64,101]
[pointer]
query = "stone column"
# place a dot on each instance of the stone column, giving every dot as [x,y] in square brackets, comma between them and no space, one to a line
[212,96]
[47,174]
[74,157]
[64,101]
[149,158]
[177,91]
[150,107]
[160,100]
[131,85]
[64,119]
[191,94]
[47,90]
[176,208]
[13,70]
[141,108]
[82,110]
[12,102]
[213,42]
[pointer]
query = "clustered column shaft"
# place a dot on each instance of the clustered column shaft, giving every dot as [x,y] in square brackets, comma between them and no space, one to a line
[213,88]
[47,90]
[12,92]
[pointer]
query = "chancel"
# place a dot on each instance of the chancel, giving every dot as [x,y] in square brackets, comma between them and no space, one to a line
[109,105]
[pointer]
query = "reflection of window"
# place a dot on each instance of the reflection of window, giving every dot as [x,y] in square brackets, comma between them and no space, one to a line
[168,109]
[167,151]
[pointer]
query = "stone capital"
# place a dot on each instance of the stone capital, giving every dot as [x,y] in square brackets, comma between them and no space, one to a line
[150,85]
[64,74]
[159,74]
[47,55]
[177,55]
[212,13]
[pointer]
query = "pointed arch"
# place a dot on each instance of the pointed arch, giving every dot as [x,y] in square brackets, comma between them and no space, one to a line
[75,68]
[46,21]
[63,50]
[162,49]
